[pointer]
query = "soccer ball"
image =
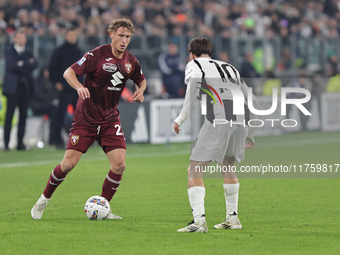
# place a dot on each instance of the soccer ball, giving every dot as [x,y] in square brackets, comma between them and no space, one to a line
[97,208]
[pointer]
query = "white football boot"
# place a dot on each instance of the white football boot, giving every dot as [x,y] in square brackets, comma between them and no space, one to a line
[194,227]
[39,207]
[230,224]
[111,216]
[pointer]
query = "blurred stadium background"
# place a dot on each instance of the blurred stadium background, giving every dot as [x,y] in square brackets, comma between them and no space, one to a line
[273,43]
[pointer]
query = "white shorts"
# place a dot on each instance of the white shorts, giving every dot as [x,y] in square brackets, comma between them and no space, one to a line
[214,143]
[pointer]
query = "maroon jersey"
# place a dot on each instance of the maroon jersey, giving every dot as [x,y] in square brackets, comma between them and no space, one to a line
[105,79]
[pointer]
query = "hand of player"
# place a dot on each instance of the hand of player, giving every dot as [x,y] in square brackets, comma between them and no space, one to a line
[83,93]
[249,145]
[138,96]
[176,127]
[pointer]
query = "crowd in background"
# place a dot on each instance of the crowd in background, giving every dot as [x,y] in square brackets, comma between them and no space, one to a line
[306,21]
[228,18]
[273,43]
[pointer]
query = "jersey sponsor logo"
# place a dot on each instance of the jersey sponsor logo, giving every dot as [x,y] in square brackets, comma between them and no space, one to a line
[117,79]
[109,67]
[80,62]
[128,67]
[74,139]
[114,88]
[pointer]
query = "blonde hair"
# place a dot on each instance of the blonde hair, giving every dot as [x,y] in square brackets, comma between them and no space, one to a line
[117,23]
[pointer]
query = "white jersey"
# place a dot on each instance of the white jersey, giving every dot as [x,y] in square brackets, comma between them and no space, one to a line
[219,84]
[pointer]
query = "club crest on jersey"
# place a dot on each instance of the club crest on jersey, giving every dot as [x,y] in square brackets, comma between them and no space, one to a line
[74,139]
[128,67]
[109,67]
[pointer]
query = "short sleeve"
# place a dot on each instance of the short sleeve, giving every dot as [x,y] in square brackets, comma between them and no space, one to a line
[85,65]
[138,75]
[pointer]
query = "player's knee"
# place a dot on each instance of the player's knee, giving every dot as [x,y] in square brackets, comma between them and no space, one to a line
[66,167]
[188,170]
[119,167]
[229,160]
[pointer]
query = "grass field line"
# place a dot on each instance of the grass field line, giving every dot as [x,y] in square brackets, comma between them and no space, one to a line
[93,158]
[175,153]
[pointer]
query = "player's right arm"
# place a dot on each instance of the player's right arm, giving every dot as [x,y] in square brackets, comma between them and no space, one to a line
[192,71]
[85,65]
[71,78]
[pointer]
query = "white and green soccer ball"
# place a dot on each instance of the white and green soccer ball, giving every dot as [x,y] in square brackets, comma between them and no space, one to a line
[97,208]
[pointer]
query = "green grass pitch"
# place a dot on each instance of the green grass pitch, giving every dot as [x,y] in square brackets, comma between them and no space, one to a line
[279,215]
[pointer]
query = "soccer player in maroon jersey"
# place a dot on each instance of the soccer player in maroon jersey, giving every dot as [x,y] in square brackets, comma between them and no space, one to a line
[96,117]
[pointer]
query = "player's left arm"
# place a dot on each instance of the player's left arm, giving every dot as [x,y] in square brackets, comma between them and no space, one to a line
[138,96]
[250,136]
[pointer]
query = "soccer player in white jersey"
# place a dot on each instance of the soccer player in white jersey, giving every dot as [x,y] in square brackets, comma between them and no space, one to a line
[225,143]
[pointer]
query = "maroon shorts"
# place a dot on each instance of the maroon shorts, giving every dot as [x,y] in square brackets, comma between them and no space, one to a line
[110,136]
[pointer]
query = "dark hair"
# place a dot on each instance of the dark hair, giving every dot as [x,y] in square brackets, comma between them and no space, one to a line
[199,46]
[70,28]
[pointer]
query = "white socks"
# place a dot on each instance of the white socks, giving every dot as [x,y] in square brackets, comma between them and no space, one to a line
[196,198]
[231,199]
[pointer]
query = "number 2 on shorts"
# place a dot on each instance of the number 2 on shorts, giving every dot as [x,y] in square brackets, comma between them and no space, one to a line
[118,129]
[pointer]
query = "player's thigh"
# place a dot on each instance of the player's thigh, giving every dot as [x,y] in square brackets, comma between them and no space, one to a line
[70,160]
[228,161]
[117,160]
[211,143]
[111,137]
[197,168]
[236,144]
[203,149]
[81,137]
[228,170]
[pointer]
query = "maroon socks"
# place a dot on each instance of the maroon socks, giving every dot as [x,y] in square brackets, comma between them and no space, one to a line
[57,176]
[110,185]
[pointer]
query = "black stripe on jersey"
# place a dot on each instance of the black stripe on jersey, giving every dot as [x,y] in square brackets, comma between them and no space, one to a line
[224,66]
[210,105]
[237,74]
[228,109]
[246,114]
[200,67]
[220,71]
